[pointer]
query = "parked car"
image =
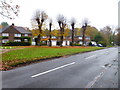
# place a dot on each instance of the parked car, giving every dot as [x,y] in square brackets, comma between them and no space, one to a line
[99,45]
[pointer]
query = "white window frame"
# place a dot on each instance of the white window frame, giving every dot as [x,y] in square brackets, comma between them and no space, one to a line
[17,40]
[87,38]
[5,34]
[25,34]
[26,40]
[53,37]
[5,40]
[80,37]
[17,35]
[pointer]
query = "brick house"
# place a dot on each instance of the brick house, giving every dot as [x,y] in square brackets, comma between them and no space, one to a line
[14,34]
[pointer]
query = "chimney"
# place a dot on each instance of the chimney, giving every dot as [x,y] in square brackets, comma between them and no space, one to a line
[12,24]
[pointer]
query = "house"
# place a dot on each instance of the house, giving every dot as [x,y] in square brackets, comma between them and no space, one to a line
[66,41]
[15,34]
[78,39]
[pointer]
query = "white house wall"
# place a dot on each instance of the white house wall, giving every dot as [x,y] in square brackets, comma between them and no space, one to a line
[54,42]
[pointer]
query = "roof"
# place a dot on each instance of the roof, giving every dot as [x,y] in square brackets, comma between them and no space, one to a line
[20,29]
[3,29]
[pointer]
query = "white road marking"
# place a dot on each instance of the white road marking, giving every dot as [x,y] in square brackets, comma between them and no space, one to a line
[90,56]
[53,69]
[89,85]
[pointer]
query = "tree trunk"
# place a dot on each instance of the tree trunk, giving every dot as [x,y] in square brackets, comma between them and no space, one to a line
[66,41]
[50,43]
[72,36]
[83,38]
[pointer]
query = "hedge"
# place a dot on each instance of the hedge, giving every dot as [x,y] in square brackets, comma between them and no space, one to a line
[18,44]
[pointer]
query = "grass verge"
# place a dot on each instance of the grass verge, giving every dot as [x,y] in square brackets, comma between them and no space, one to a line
[28,55]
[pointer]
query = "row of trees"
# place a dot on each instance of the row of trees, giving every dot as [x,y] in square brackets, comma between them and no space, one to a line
[41,16]
[105,36]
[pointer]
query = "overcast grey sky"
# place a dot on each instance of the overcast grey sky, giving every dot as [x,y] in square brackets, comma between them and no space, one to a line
[99,12]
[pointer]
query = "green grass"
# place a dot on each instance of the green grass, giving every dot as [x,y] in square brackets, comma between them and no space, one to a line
[25,55]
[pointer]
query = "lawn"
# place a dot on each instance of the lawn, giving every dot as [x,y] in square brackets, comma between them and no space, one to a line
[27,55]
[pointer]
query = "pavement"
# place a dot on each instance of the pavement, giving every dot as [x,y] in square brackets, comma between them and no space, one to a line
[96,69]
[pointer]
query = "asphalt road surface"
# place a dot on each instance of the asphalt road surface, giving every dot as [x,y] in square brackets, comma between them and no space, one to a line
[97,69]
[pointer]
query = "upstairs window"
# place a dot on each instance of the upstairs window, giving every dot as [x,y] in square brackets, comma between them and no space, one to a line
[26,35]
[80,37]
[5,34]
[17,35]
[53,37]
[87,38]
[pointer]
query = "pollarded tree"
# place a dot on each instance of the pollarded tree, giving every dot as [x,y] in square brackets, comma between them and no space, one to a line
[73,26]
[39,17]
[62,23]
[50,25]
[84,27]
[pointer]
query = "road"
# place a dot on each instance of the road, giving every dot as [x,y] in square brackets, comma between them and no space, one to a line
[96,69]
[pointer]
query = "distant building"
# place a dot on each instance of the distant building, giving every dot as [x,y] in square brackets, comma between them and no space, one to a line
[14,33]
[66,41]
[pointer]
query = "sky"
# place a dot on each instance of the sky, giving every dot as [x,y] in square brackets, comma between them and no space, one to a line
[100,13]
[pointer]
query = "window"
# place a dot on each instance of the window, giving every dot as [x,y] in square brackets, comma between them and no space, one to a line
[53,37]
[87,38]
[17,35]
[5,40]
[17,40]
[25,40]
[26,34]
[80,37]
[5,34]
[44,37]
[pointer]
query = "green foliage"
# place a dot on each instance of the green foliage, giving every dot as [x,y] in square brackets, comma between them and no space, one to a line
[17,44]
[4,24]
[98,37]
[77,44]
[4,37]
[17,37]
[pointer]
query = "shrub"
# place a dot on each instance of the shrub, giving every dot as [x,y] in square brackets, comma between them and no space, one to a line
[4,37]
[77,44]
[17,44]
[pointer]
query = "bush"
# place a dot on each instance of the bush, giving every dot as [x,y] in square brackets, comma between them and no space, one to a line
[77,44]
[44,43]
[4,37]
[17,44]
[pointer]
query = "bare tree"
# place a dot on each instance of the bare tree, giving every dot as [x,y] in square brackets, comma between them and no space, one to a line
[39,17]
[8,10]
[73,26]
[84,27]
[62,23]
[50,25]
